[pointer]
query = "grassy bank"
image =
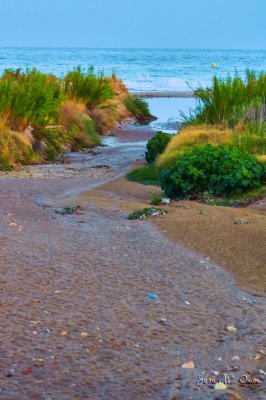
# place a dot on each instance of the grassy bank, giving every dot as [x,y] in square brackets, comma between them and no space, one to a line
[219,156]
[42,115]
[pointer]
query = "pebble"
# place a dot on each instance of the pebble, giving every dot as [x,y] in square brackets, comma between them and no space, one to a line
[231,329]
[165,200]
[162,320]
[152,296]
[240,222]
[11,371]
[187,302]
[189,365]
[260,371]
[235,358]
[64,333]
[220,386]
[84,335]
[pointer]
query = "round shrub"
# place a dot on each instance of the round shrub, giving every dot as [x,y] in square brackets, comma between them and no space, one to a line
[156,146]
[219,170]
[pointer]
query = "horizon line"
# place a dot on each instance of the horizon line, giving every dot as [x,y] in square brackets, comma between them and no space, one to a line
[131,48]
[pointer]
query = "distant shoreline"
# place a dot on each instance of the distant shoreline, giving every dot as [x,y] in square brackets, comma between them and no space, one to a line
[168,94]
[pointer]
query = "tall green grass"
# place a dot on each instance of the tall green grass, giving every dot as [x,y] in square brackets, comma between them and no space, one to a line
[252,140]
[29,98]
[139,108]
[84,85]
[231,100]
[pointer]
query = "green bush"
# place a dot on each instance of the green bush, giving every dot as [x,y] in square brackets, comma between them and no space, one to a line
[84,85]
[156,146]
[219,170]
[29,98]
[139,108]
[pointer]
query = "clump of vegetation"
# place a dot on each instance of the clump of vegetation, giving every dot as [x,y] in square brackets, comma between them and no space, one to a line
[70,209]
[156,199]
[156,146]
[28,98]
[83,85]
[147,212]
[147,175]
[252,138]
[191,136]
[42,115]
[15,149]
[231,101]
[139,108]
[219,170]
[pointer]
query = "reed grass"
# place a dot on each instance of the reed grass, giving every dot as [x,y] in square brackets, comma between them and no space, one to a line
[231,100]
[84,85]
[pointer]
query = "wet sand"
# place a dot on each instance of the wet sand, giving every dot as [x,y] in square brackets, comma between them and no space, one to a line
[75,320]
[212,232]
[165,94]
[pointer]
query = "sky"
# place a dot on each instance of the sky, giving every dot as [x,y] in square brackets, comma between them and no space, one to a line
[199,24]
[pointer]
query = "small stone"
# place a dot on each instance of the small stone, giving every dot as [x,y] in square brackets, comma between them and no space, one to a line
[187,302]
[188,365]
[260,371]
[220,386]
[231,329]
[216,373]
[46,330]
[235,358]
[162,320]
[27,371]
[257,357]
[11,371]
[84,335]
[165,200]
[240,222]
[152,296]
[64,333]
[219,359]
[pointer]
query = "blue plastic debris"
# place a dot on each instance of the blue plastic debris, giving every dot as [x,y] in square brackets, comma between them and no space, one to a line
[152,296]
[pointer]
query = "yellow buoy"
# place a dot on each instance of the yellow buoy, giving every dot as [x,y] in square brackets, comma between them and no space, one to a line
[213,65]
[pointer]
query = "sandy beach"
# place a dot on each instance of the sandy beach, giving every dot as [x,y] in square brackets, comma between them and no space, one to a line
[76,321]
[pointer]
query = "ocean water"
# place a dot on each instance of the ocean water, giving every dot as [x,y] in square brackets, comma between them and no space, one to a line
[141,69]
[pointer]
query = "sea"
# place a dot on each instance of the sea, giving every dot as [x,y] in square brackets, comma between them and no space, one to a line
[143,70]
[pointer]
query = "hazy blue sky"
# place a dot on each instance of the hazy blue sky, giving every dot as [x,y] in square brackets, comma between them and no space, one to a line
[134,23]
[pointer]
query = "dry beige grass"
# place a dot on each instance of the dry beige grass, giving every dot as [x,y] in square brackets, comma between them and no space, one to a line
[14,149]
[193,136]
[71,112]
[105,119]
[261,157]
